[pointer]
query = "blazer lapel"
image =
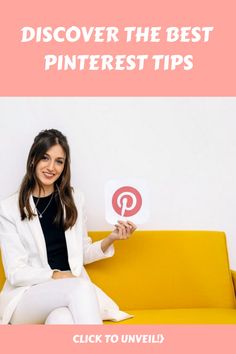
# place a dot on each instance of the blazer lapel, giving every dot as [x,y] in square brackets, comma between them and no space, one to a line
[37,233]
[74,248]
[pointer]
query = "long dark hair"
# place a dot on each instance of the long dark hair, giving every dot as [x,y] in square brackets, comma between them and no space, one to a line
[42,143]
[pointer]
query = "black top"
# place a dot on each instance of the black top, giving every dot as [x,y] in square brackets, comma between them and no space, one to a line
[54,235]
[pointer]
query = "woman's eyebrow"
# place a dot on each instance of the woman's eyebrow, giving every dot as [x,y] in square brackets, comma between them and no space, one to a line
[57,158]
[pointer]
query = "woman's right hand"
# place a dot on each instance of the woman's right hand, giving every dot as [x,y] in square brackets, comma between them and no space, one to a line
[62,275]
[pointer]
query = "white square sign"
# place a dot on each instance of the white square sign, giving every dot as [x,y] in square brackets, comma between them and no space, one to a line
[126,199]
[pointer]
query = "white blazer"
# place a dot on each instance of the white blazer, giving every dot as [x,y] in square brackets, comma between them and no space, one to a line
[24,256]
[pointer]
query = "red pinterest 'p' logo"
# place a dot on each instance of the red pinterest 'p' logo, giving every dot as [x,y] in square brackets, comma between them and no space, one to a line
[126,201]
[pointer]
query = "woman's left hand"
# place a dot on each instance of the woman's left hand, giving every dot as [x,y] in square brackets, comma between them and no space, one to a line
[123,230]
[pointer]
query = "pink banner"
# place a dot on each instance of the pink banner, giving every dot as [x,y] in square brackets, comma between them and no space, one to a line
[105,48]
[163,339]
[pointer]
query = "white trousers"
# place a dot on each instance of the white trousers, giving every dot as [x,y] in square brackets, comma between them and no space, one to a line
[61,301]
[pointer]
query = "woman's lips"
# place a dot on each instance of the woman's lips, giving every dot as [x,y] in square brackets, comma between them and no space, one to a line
[48,175]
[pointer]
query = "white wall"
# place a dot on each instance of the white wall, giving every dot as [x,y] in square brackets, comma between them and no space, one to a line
[184,147]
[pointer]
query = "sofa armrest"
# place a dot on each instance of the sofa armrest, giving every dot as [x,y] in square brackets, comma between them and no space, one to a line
[233,272]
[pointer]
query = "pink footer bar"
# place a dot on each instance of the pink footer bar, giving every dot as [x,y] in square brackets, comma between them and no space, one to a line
[164,339]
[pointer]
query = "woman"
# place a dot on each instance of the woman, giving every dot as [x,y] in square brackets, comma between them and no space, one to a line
[44,245]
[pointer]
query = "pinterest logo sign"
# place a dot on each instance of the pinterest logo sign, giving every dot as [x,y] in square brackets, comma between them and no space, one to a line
[126,199]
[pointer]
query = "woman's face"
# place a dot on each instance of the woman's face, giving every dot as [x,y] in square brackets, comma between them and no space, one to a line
[50,167]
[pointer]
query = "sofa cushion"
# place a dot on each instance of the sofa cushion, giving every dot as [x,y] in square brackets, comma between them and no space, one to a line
[181,316]
[167,269]
[2,275]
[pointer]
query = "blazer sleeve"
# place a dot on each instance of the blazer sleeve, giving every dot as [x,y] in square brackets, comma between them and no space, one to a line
[15,257]
[91,250]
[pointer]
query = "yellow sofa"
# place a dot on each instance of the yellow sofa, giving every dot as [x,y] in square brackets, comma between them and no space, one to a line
[168,277]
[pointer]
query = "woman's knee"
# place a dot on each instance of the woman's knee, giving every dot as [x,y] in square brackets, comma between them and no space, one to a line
[61,315]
